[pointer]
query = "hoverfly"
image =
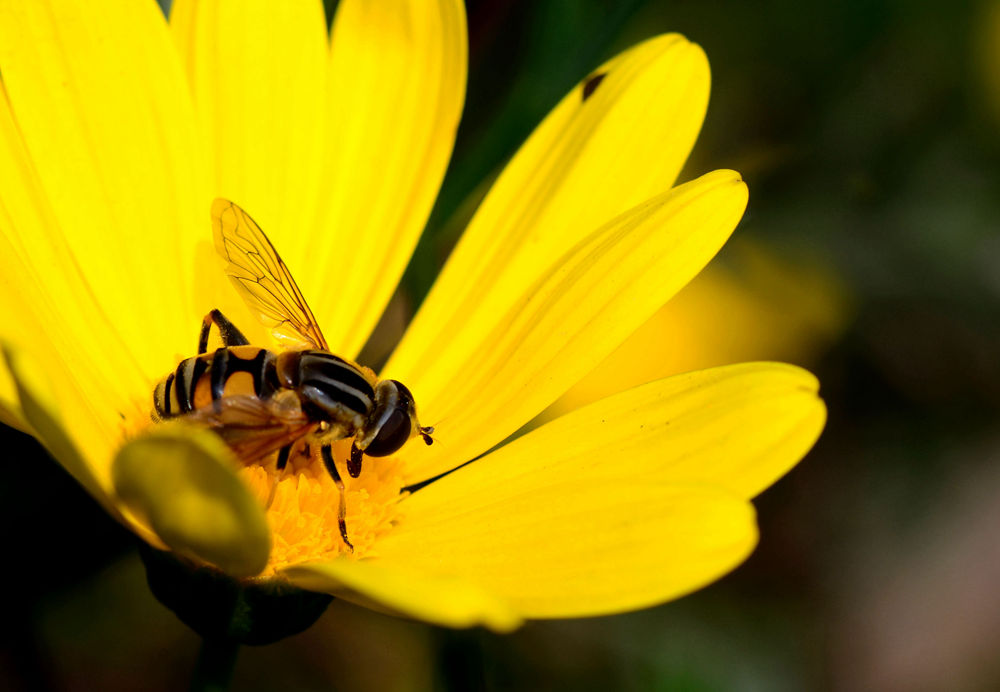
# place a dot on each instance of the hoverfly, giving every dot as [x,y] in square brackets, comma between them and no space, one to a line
[296,402]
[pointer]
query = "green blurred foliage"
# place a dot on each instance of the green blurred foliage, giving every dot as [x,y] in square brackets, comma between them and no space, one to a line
[868,137]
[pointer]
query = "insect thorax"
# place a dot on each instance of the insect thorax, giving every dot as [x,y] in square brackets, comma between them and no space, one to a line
[332,389]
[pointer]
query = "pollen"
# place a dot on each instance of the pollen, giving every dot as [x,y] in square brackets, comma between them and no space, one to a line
[302,505]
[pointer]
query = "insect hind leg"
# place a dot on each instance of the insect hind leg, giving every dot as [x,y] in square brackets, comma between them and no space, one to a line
[231,336]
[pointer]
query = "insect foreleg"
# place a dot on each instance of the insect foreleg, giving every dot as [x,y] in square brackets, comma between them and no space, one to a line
[354,463]
[327,453]
[231,336]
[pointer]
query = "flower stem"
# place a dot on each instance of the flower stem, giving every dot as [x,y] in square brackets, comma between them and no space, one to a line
[216,662]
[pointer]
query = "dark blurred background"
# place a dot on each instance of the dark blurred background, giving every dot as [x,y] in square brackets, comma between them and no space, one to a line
[869,134]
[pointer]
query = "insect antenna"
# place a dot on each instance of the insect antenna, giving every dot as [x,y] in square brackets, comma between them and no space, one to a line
[426,431]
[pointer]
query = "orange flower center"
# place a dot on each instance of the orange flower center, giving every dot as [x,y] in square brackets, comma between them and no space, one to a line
[304,505]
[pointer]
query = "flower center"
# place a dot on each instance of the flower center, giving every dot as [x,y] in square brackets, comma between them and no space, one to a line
[304,505]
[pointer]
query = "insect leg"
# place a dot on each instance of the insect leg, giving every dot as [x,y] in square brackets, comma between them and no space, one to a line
[354,463]
[331,467]
[286,452]
[231,336]
[283,455]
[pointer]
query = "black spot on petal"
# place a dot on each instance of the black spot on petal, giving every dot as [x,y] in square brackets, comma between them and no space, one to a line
[590,86]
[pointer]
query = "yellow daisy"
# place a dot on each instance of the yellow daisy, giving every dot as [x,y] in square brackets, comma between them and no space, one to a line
[118,129]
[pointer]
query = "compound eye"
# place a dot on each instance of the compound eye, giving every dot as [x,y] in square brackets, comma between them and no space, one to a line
[392,435]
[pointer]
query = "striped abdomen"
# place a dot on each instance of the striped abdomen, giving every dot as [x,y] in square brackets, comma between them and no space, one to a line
[198,381]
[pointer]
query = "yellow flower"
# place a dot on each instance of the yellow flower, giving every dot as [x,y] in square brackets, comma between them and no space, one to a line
[117,131]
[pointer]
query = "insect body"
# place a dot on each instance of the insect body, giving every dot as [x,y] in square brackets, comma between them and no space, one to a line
[293,402]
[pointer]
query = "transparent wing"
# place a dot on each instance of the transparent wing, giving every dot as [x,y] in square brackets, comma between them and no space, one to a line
[253,427]
[262,278]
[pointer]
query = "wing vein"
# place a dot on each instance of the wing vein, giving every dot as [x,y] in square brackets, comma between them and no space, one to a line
[263,279]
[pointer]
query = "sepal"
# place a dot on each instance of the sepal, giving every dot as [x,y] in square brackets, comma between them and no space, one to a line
[220,607]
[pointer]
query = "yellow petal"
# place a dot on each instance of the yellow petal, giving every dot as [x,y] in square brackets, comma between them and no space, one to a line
[52,296]
[10,406]
[740,427]
[577,549]
[397,85]
[100,102]
[257,71]
[50,311]
[51,314]
[442,600]
[81,442]
[749,304]
[180,481]
[18,316]
[628,502]
[485,381]
[590,160]
[38,402]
